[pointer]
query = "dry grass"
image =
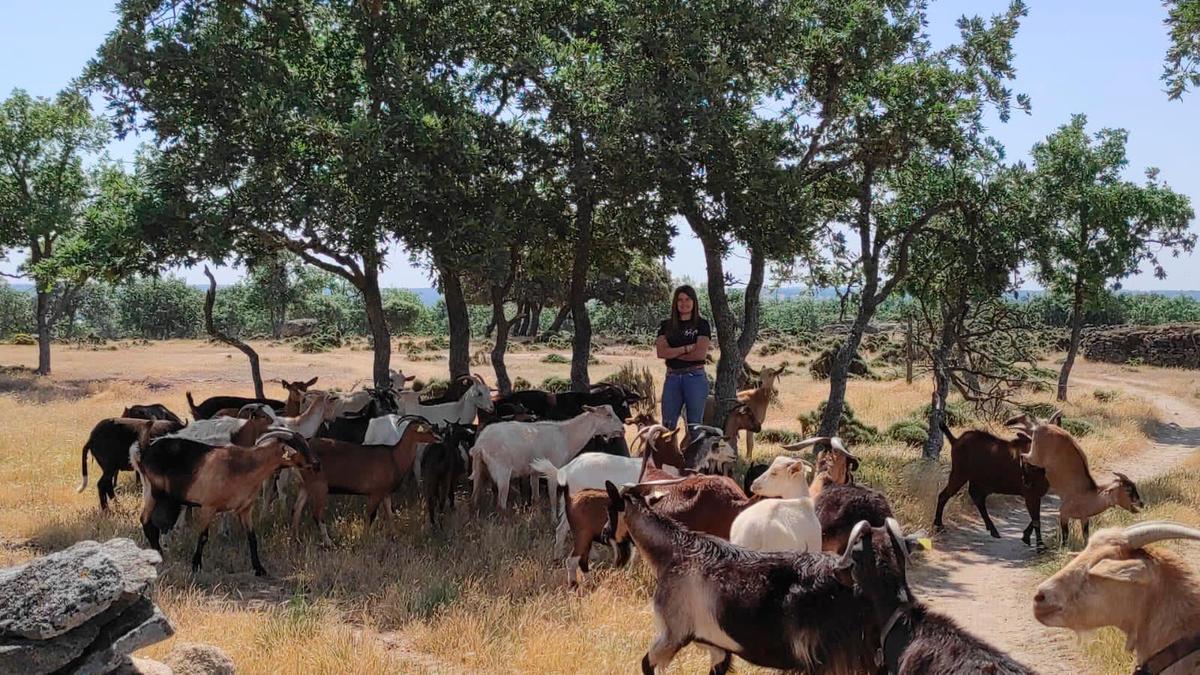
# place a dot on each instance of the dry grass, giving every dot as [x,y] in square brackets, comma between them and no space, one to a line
[486,598]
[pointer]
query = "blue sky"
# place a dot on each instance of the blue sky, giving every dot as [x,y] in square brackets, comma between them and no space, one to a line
[1102,58]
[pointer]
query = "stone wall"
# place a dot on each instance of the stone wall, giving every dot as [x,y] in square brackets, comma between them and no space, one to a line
[1175,345]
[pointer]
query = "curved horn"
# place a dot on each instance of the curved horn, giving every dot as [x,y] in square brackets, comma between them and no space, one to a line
[836,444]
[657,483]
[1143,534]
[855,535]
[274,433]
[1123,477]
[800,445]
[707,429]
[1055,417]
[893,528]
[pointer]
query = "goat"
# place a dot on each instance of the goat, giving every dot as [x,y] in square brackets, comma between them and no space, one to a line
[840,503]
[586,517]
[593,470]
[382,430]
[110,443]
[914,640]
[507,449]
[152,411]
[454,391]
[177,471]
[834,463]
[1066,466]
[346,468]
[740,418]
[787,523]
[568,404]
[223,430]
[444,463]
[707,450]
[355,402]
[706,504]
[790,611]
[751,412]
[209,406]
[295,390]
[1151,595]
[993,465]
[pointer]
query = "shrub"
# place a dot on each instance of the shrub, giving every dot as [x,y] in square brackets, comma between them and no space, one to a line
[558,341]
[314,344]
[823,364]
[160,308]
[1038,409]
[556,384]
[435,388]
[521,384]
[554,358]
[16,310]
[640,381]
[850,429]
[1106,395]
[955,414]
[910,432]
[779,436]
[1077,427]
[23,339]
[438,342]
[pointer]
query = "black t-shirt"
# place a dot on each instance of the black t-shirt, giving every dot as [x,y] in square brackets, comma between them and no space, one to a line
[685,335]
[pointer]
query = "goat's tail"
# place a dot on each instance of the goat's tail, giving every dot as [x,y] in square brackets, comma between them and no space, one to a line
[83,465]
[946,432]
[192,405]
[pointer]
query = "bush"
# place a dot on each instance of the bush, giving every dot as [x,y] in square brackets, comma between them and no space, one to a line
[402,310]
[521,384]
[23,339]
[850,429]
[778,436]
[160,308]
[910,432]
[555,384]
[1038,409]
[955,414]
[823,364]
[314,344]
[16,311]
[639,381]
[436,388]
[554,358]
[1077,427]
[1106,395]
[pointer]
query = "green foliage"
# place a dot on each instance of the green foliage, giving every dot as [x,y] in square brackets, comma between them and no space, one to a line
[554,358]
[160,308]
[317,343]
[955,414]
[1106,395]
[637,380]
[823,365]
[1039,409]
[850,428]
[555,384]
[436,387]
[1077,427]
[1181,67]
[22,339]
[16,311]
[777,436]
[910,432]
[403,310]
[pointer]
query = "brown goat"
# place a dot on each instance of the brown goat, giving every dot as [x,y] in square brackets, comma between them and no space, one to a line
[295,400]
[750,412]
[587,515]
[1066,465]
[1151,595]
[993,465]
[700,503]
[833,464]
[348,468]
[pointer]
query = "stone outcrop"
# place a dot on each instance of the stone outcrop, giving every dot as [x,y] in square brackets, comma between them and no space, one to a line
[83,609]
[298,328]
[1173,345]
[196,659]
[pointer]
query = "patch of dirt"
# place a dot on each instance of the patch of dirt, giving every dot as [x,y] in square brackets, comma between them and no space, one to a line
[986,584]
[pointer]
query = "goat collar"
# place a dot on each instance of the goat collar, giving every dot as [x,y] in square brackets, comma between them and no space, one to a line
[1169,656]
[894,640]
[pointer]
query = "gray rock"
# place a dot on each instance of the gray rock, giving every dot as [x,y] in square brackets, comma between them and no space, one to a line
[298,327]
[49,596]
[136,665]
[197,659]
[141,625]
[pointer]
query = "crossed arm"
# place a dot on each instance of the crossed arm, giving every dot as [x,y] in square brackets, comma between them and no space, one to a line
[695,352]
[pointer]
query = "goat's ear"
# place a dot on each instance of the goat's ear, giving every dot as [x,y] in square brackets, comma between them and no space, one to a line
[284,384]
[1128,571]
[613,494]
[311,382]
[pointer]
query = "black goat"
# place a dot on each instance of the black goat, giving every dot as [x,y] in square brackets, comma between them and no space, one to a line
[791,611]
[841,507]
[753,472]
[568,404]
[915,640]
[443,465]
[109,444]
[454,391]
[209,406]
[152,411]
[992,465]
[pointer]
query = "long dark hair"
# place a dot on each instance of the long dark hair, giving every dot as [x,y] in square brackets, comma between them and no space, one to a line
[676,322]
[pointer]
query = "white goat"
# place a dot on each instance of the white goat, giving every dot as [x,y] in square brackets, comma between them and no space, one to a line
[788,523]
[595,468]
[508,449]
[382,430]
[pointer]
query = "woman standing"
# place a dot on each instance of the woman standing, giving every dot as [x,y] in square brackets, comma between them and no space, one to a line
[683,341]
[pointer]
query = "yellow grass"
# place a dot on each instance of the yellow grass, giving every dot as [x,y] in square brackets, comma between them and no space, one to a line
[487,597]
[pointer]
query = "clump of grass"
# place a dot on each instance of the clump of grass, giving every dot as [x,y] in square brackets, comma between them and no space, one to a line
[555,384]
[316,344]
[910,432]
[521,384]
[554,358]
[778,436]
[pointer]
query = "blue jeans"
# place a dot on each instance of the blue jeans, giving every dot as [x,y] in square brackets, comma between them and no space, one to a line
[688,389]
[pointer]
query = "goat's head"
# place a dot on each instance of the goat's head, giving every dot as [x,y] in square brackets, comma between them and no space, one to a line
[479,394]
[326,401]
[607,424]
[833,459]
[1127,496]
[785,477]
[295,449]
[615,526]
[642,420]
[768,376]
[419,430]
[1109,578]
[296,389]
[744,418]
[878,559]
[711,454]
[397,379]
[254,411]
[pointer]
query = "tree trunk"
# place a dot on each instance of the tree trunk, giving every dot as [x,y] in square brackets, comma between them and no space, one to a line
[1073,349]
[752,306]
[729,364]
[210,299]
[839,371]
[556,325]
[43,331]
[503,383]
[460,322]
[941,383]
[581,179]
[377,323]
[535,320]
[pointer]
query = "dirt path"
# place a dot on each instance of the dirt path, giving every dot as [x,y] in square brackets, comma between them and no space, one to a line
[968,566]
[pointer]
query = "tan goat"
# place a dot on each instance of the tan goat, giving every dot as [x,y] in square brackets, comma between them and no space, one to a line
[1151,595]
[834,464]
[1054,450]
[751,411]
